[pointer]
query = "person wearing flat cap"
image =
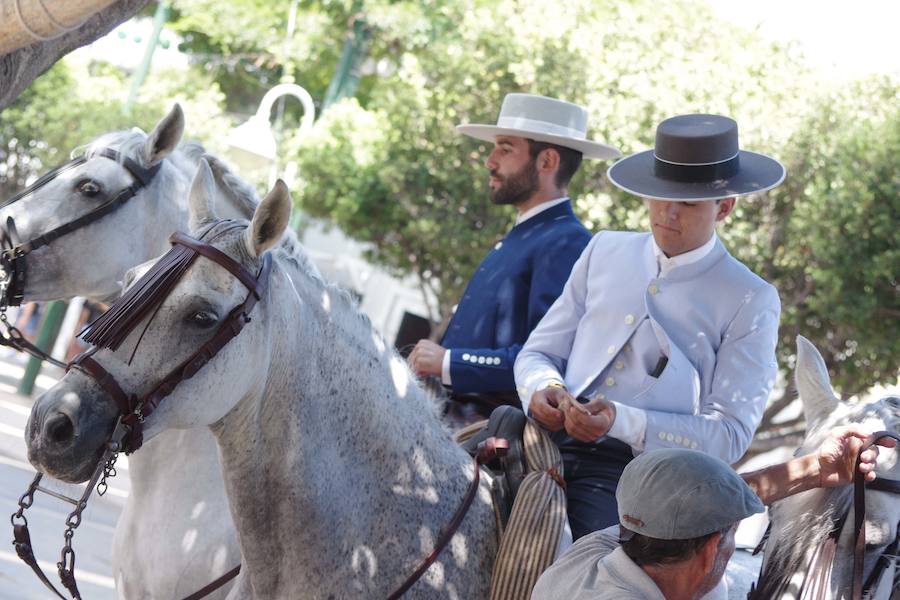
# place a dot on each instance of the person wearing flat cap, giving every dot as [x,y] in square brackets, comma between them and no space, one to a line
[659,339]
[678,510]
[539,144]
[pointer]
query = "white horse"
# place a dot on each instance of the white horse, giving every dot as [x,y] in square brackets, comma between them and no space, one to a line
[801,524]
[339,472]
[176,485]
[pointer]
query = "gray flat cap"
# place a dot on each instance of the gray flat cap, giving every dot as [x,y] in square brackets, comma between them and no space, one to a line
[679,494]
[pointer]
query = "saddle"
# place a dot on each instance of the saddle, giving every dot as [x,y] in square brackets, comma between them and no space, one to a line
[507,467]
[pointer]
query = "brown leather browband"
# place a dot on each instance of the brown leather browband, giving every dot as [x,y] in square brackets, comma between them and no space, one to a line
[134,410]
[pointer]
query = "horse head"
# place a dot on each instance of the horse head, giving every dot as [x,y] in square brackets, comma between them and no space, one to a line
[123,196]
[71,423]
[805,525]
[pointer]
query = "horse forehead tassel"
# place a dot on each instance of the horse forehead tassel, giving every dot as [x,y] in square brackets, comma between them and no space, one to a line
[113,326]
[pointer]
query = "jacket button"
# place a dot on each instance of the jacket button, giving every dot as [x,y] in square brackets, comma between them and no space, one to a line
[611,350]
[661,435]
[480,360]
[694,445]
[653,289]
[498,245]
[610,381]
[619,365]
[669,437]
[629,319]
[465,356]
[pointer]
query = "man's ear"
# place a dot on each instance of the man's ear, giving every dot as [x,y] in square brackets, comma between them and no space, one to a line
[708,552]
[726,206]
[548,160]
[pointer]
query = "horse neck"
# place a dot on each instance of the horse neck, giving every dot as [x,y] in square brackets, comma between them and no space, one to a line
[339,434]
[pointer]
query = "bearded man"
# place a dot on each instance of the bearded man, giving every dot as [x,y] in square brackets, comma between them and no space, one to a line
[539,144]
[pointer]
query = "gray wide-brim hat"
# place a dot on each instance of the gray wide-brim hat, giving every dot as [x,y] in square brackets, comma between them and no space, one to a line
[680,494]
[544,120]
[696,157]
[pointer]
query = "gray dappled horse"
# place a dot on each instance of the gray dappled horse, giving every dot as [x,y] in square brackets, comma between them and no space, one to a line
[339,473]
[176,484]
[798,551]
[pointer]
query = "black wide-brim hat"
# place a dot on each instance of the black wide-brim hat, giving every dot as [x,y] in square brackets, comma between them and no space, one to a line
[696,157]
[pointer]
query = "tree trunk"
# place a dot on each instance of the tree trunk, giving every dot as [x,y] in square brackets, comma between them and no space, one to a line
[19,67]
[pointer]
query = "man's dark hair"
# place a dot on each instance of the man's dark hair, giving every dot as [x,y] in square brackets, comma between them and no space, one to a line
[569,160]
[643,550]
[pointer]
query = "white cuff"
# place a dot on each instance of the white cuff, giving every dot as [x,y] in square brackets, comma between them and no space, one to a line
[445,368]
[630,426]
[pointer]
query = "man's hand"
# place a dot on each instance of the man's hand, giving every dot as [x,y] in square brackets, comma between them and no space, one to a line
[837,455]
[547,407]
[427,358]
[587,422]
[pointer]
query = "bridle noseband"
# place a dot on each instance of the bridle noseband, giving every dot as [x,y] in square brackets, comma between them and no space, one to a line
[14,251]
[127,434]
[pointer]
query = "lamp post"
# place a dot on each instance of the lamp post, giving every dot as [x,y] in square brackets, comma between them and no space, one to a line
[252,144]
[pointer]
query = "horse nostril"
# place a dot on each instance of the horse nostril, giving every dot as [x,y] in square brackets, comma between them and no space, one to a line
[60,428]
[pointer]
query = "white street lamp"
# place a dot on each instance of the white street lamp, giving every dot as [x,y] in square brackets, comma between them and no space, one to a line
[252,144]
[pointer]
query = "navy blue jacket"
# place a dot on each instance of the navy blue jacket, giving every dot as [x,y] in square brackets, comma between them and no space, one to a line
[509,293]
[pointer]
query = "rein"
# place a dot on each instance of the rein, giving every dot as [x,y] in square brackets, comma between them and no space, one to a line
[815,584]
[859,517]
[127,435]
[14,251]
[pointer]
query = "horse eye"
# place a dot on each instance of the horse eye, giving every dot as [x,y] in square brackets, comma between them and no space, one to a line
[88,188]
[203,319]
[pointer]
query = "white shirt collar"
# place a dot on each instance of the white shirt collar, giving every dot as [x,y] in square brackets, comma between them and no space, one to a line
[666,264]
[535,210]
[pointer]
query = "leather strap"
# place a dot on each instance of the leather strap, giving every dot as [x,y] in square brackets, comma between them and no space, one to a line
[859,511]
[22,543]
[486,451]
[214,585]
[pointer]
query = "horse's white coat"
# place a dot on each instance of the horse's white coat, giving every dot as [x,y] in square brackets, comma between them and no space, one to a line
[175,534]
[314,436]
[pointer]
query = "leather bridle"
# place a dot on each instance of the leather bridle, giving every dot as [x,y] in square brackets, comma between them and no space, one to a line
[820,567]
[133,410]
[14,251]
[127,434]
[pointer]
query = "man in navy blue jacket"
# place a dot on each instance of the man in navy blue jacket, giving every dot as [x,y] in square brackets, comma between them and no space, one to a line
[539,143]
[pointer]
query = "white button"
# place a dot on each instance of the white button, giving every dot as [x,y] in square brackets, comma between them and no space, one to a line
[694,445]
[496,360]
[498,245]
[678,439]
[619,365]
[480,360]
[629,319]
[611,349]
[653,289]
[473,359]
[627,347]
[669,437]
[466,356]
[610,381]
[598,396]
[687,443]
[662,435]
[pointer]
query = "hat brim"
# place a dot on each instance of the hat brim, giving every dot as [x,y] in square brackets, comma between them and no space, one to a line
[588,148]
[635,174]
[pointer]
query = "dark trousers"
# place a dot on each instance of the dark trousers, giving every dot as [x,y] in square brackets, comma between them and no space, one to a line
[592,473]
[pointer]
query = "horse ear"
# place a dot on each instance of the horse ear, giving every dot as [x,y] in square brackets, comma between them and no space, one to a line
[270,220]
[813,383]
[200,200]
[165,136]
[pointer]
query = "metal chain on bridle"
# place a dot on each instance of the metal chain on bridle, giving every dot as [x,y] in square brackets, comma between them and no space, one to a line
[14,251]
[127,434]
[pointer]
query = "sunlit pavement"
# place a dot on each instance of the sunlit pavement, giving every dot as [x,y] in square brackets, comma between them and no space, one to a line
[46,518]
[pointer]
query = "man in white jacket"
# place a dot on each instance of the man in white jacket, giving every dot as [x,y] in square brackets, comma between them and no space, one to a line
[669,338]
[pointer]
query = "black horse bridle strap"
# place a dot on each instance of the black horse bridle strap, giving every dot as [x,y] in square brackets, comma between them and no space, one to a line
[859,509]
